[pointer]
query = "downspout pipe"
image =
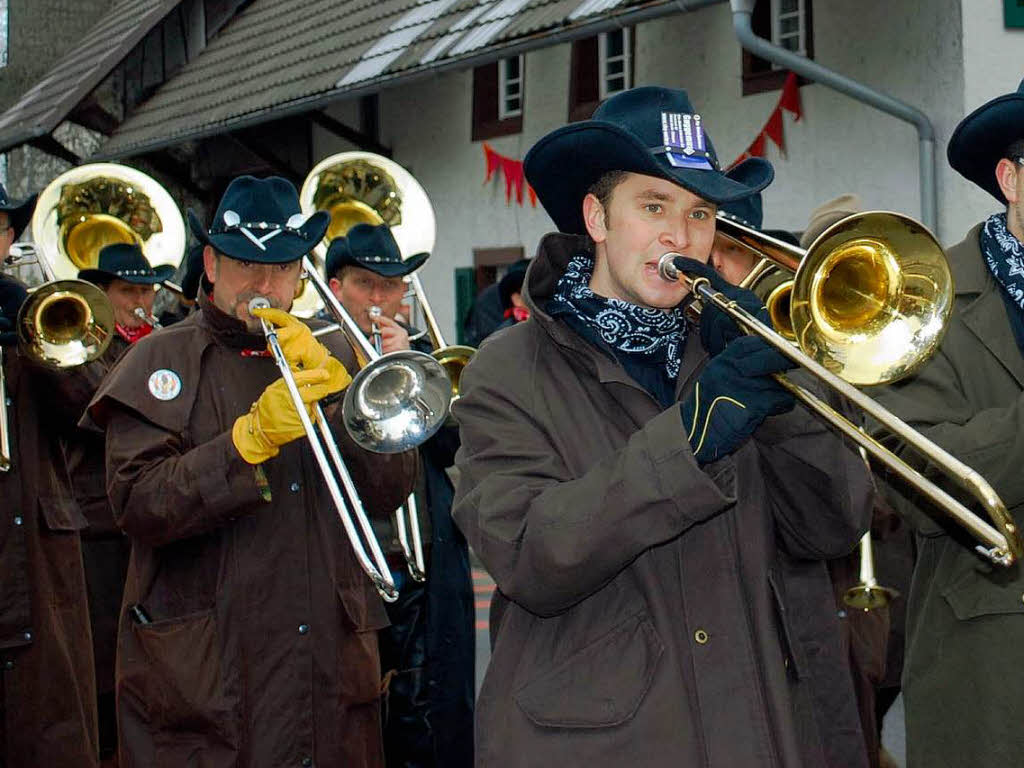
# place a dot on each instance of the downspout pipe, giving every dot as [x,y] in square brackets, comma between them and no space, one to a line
[801,65]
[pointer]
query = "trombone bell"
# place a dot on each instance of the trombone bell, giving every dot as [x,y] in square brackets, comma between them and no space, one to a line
[65,323]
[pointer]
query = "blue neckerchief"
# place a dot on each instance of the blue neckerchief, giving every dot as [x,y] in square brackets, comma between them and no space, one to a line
[1004,256]
[648,336]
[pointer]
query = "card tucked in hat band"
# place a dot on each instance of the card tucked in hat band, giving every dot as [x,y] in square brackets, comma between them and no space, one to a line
[685,145]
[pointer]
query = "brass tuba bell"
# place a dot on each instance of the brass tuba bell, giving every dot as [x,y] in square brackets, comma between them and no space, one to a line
[99,204]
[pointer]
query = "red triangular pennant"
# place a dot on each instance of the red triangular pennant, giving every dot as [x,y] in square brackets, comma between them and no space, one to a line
[790,100]
[493,159]
[756,149]
[773,128]
[533,196]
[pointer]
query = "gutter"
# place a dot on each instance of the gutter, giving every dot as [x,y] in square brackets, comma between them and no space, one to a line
[741,12]
[625,18]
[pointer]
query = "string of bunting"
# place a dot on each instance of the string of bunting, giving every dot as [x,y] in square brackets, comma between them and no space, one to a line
[512,170]
[789,101]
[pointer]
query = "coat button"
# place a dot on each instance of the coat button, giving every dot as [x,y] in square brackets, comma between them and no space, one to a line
[8,664]
[295,487]
[307,762]
[303,629]
[701,636]
[842,613]
[17,521]
[28,635]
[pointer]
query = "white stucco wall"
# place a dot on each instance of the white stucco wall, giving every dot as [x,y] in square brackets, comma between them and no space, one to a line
[839,145]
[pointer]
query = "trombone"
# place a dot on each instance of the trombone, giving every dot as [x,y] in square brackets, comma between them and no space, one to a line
[407,515]
[321,445]
[396,402]
[868,309]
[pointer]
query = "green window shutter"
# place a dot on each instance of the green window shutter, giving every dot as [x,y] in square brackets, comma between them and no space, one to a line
[465,293]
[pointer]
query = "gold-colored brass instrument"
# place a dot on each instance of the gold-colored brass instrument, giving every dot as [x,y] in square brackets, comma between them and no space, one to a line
[868,594]
[98,204]
[348,504]
[870,303]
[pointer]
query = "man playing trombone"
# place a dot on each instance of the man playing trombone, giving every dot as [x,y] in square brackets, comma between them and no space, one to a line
[632,480]
[248,635]
[964,616]
[428,652]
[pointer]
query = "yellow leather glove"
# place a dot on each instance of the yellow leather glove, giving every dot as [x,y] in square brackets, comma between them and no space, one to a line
[273,421]
[300,347]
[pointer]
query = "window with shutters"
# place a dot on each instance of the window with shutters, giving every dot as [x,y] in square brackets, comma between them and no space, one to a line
[786,23]
[600,67]
[498,92]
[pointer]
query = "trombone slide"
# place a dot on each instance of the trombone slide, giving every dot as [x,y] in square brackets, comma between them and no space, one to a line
[5,425]
[377,569]
[1004,545]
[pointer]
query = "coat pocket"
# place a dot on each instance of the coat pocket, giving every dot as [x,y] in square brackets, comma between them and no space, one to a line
[180,678]
[601,685]
[61,514]
[972,596]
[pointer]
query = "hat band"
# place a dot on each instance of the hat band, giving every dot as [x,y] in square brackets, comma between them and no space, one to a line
[688,152]
[135,272]
[261,225]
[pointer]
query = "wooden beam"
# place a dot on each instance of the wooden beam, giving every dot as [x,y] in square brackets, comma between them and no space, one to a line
[51,146]
[339,129]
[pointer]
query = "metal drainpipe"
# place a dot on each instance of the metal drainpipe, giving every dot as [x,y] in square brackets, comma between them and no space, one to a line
[741,11]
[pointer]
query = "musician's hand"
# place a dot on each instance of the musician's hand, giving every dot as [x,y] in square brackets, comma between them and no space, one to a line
[300,347]
[717,329]
[273,421]
[393,337]
[733,395]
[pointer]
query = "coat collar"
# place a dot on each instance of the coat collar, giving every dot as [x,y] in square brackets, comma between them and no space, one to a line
[553,255]
[985,314]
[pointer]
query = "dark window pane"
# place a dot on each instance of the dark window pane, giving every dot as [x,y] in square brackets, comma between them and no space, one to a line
[615,67]
[614,46]
[616,84]
[789,26]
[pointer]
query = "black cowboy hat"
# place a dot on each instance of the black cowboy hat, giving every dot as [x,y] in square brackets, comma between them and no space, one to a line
[260,220]
[371,247]
[20,213]
[981,139]
[650,130]
[125,261]
[749,211]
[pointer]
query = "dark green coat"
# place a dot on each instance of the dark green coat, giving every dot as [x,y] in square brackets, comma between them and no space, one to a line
[962,678]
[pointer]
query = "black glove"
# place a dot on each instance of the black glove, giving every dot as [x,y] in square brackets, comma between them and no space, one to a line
[8,338]
[733,395]
[717,329]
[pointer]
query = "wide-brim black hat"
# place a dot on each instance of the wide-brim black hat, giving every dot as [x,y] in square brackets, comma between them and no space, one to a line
[19,213]
[981,139]
[260,220]
[652,131]
[125,261]
[371,247]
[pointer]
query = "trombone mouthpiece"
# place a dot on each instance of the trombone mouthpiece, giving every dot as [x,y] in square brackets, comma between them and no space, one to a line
[258,303]
[667,268]
[140,313]
[374,312]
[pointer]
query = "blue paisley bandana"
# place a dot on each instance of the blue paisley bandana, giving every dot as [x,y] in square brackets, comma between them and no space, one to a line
[650,334]
[1004,255]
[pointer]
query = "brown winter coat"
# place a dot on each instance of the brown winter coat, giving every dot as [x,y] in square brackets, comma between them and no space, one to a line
[48,695]
[262,646]
[661,614]
[962,683]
